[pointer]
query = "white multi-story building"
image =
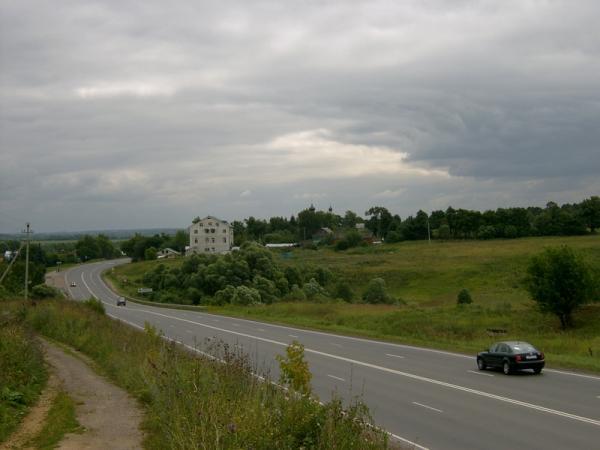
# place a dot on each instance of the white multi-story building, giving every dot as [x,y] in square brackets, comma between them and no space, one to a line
[210,235]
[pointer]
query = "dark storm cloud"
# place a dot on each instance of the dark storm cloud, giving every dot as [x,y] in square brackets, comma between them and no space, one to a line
[117,114]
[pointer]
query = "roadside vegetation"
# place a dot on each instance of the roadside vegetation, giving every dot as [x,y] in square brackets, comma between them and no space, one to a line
[193,401]
[22,372]
[59,422]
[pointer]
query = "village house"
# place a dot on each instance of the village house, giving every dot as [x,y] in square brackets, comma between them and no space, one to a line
[167,253]
[210,235]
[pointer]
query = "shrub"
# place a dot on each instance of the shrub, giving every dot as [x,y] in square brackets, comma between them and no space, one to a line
[376,292]
[294,368]
[95,305]
[343,291]
[245,296]
[224,295]
[312,289]
[150,253]
[464,297]
[41,291]
[296,294]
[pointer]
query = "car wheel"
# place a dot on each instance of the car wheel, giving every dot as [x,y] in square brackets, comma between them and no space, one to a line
[506,368]
[537,370]
[480,364]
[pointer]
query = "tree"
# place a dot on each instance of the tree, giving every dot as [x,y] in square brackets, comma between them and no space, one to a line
[150,253]
[560,281]
[377,292]
[590,210]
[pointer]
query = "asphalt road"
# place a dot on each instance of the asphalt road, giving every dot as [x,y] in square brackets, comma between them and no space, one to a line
[432,399]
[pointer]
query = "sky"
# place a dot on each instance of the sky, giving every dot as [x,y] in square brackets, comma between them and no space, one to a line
[143,114]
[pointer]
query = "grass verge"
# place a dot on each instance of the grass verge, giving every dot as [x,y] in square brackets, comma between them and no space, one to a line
[22,374]
[59,422]
[196,402]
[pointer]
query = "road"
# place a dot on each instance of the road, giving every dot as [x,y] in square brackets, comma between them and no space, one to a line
[432,399]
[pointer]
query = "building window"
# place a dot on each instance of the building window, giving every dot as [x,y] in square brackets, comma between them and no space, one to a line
[206,240]
[213,240]
[195,231]
[213,249]
[225,240]
[196,241]
[207,230]
[212,230]
[224,230]
[207,249]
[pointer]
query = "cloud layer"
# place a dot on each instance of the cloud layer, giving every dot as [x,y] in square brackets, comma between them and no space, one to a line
[131,114]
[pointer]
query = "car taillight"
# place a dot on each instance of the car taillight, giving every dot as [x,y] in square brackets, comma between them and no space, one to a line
[518,358]
[542,355]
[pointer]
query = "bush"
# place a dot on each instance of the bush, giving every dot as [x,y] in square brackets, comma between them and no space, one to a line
[377,293]
[312,289]
[351,239]
[41,291]
[245,296]
[296,294]
[464,297]
[95,305]
[294,369]
[224,296]
[343,291]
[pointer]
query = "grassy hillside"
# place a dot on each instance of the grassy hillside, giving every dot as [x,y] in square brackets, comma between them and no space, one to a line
[433,274]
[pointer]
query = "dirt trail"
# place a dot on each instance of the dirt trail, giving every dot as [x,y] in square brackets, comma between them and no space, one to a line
[111,418]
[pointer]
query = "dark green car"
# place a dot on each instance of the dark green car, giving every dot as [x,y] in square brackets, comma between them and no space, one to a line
[511,356]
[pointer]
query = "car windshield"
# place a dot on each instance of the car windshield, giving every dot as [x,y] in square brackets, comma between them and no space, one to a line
[523,347]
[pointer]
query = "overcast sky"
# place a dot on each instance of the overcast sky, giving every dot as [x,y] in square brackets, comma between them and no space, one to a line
[122,114]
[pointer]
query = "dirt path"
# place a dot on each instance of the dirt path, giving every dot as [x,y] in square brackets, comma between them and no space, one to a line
[111,418]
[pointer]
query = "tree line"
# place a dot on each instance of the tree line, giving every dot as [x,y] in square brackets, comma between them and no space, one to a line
[552,220]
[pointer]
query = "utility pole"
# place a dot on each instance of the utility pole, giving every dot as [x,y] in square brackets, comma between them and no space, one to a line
[27,232]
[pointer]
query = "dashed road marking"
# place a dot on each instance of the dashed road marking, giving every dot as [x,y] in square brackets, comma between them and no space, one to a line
[394,356]
[428,407]
[292,335]
[336,378]
[480,373]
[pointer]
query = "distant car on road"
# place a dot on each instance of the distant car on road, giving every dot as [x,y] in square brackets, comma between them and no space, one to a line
[73,284]
[511,356]
[121,301]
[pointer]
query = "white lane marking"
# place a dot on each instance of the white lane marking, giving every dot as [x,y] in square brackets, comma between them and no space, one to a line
[215,320]
[336,345]
[480,373]
[336,378]
[261,329]
[397,372]
[581,375]
[394,356]
[428,407]
[88,288]
[292,335]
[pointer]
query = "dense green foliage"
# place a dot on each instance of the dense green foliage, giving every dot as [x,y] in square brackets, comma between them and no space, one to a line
[22,374]
[193,401]
[141,247]
[560,281]
[248,276]
[95,247]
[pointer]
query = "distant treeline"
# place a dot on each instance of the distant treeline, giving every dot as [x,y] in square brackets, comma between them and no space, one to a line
[553,220]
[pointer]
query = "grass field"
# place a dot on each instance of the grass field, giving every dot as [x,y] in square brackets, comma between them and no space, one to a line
[428,278]
[196,402]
